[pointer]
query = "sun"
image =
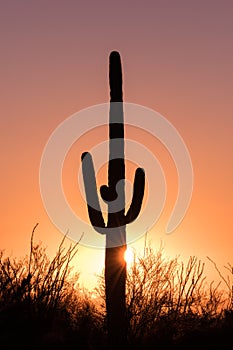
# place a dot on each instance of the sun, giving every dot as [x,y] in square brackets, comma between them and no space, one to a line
[129,256]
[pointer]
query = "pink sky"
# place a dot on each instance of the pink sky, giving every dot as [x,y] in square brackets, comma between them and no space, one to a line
[177,59]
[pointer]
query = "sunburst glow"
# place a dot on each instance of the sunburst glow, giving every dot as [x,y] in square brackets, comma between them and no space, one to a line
[129,256]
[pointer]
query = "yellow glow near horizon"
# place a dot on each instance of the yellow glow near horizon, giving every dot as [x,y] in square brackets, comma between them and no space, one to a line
[129,256]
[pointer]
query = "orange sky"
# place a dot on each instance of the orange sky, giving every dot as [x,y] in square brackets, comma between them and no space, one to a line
[177,59]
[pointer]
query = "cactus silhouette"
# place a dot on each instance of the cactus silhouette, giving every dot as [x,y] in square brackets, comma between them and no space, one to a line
[114,195]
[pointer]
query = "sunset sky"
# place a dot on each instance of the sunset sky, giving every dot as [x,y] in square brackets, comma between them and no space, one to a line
[177,60]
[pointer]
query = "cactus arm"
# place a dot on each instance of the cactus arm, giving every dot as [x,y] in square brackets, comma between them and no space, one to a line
[107,194]
[138,193]
[92,199]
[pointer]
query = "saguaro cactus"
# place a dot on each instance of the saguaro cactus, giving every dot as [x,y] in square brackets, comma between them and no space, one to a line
[114,195]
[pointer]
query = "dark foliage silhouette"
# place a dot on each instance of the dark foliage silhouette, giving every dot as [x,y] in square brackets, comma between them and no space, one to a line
[41,305]
[169,304]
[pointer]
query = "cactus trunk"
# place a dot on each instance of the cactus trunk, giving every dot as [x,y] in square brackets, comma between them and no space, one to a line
[115,265]
[114,195]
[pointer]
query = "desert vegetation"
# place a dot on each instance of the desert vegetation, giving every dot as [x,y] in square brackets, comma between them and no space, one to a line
[41,304]
[169,303]
[117,219]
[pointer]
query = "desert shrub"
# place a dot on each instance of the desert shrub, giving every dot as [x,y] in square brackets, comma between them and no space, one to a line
[41,303]
[169,304]
[167,300]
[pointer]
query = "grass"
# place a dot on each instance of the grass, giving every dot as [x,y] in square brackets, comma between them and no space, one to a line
[169,304]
